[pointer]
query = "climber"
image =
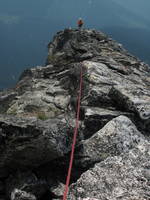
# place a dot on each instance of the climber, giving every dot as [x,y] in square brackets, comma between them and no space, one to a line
[80,23]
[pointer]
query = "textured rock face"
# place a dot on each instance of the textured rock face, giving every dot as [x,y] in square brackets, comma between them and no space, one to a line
[116,137]
[120,177]
[23,184]
[30,143]
[112,158]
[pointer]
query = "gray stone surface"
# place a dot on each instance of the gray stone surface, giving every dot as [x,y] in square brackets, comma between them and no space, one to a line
[38,118]
[96,118]
[22,195]
[122,177]
[25,183]
[28,142]
[116,137]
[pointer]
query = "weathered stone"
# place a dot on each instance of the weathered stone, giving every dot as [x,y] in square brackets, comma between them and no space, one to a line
[73,45]
[135,98]
[119,177]
[5,99]
[96,118]
[58,190]
[31,142]
[22,195]
[39,114]
[26,182]
[116,137]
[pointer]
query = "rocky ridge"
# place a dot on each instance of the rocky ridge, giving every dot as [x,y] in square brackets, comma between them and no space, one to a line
[112,156]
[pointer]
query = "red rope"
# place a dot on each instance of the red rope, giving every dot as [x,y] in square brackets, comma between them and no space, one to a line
[74,139]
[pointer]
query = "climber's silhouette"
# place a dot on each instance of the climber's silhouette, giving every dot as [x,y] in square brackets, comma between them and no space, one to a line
[80,23]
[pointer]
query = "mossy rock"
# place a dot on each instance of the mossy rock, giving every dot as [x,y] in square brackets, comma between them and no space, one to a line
[42,116]
[52,59]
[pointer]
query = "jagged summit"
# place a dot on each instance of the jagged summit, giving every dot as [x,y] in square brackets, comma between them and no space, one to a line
[38,118]
[72,46]
[78,45]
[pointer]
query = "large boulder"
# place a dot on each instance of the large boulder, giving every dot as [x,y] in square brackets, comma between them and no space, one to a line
[28,142]
[133,97]
[123,177]
[117,137]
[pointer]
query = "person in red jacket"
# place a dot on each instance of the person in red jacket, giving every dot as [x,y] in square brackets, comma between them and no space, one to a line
[80,23]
